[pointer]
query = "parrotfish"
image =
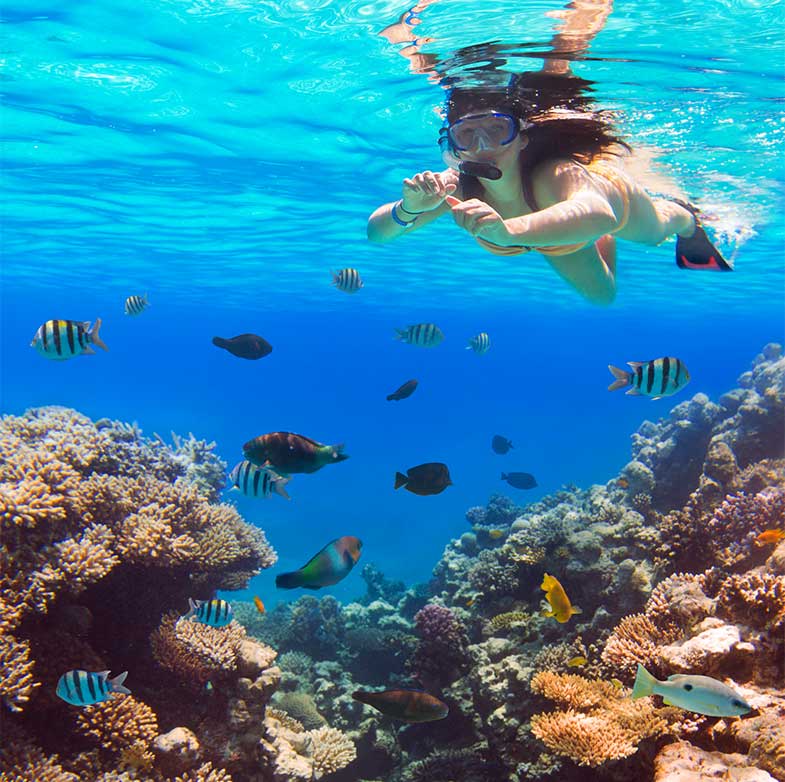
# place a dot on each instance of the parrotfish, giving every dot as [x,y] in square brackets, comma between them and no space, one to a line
[424,335]
[655,379]
[332,564]
[347,280]
[83,688]
[62,339]
[700,694]
[216,613]
[520,480]
[250,346]
[480,344]
[287,452]
[407,389]
[259,482]
[407,705]
[425,479]
[136,305]
[561,608]
[501,444]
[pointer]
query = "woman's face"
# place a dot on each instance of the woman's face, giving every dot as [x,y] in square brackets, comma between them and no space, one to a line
[487,137]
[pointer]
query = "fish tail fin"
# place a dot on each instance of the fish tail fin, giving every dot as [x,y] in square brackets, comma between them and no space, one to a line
[549,612]
[400,480]
[390,397]
[400,334]
[644,683]
[116,684]
[504,476]
[335,277]
[280,487]
[95,339]
[575,610]
[289,580]
[219,342]
[623,378]
[192,609]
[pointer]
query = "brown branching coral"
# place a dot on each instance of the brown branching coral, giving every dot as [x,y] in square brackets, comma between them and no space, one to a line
[636,639]
[754,599]
[599,723]
[194,651]
[205,773]
[22,761]
[330,750]
[16,683]
[118,724]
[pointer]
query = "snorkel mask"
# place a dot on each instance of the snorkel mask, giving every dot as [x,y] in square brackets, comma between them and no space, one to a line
[487,130]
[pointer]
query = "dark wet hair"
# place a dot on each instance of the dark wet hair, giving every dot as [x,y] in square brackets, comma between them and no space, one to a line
[563,123]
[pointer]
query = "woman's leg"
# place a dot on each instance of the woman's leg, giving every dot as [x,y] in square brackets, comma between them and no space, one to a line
[591,271]
[651,220]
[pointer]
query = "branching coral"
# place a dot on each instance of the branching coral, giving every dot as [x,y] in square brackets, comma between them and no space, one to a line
[118,724]
[330,750]
[194,651]
[754,599]
[636,639]
[16,683]
[205,773]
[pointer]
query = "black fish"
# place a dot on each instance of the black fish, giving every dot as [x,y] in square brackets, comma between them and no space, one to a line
[520,480]
[407,705]
[501,444]
[407,389]
[250,346]
[425,479]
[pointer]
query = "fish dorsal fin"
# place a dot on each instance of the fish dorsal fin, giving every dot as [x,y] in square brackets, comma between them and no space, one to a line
[309,440]
[636,364]
[103,674]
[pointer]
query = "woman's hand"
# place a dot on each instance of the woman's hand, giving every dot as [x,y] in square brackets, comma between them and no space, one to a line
[479,219]
[425,191]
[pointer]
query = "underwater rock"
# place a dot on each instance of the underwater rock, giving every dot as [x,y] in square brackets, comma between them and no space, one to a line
[177,751]
[706,652]
[683,762]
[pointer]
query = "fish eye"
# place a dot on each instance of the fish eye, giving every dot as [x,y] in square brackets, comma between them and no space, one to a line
[688,687]
[739,704]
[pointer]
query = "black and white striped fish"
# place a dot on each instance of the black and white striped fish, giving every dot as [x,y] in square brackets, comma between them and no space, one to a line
[424,335]
[347,280]
[480,344]
[136,305]
[656,379]
[254,481]
[61,339]
[83,688]
[216,613]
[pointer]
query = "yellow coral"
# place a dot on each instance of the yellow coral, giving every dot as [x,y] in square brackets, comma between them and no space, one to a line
[636,639]
[16,683]
[330,750]
[205,773]
[194,650]
[286,720]
[573,690]
[119,723]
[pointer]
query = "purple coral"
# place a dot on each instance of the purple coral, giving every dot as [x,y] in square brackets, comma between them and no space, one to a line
[441,653]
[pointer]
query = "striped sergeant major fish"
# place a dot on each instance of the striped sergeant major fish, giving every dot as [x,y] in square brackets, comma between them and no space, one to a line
[424,335]
[62,339]
[259,482]
[480,344]
[655,379]
[347,280]
[83,688]
[136,305]
[215,613]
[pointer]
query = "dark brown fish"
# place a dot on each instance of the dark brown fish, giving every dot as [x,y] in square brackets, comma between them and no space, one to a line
[407,705]
[407,389]
[425,479]
[520,480]
[287,452]
[250,346]
[501,444]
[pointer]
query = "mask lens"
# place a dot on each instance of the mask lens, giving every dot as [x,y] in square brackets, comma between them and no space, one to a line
[492,129]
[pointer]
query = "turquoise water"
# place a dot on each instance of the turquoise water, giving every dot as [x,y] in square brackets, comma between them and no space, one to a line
[225,156]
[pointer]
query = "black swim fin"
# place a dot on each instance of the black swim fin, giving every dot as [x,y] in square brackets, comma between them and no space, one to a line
[698,251]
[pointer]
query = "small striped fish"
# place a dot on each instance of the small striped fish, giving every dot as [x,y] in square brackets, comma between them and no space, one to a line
[216,613]
[61,339]
[259,482]
[136,305]
[656,379]
[347,280]
[82,688]
[424,335]
[480,344]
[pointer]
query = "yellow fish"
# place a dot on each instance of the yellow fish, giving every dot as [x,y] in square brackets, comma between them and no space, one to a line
[576,662]
[770,536]
[624,483]
[561,608]
[259,604]
[495,534]
[470,602]
[617,683]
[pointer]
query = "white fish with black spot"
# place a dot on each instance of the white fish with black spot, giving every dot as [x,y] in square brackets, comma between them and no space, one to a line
[424,335]
[480,344]
[259,482]
[136,305]
[347,280]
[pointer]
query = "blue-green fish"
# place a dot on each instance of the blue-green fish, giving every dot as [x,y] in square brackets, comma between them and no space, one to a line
[700,694]
[83,688]
[332,564]
[424,335]
[655,379]
[216,613]
[480,344]
[61,339]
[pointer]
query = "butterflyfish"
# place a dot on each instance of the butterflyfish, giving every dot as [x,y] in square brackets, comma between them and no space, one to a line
[561,608]
[331,565]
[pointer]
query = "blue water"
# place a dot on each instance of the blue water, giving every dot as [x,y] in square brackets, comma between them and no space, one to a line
[225,156]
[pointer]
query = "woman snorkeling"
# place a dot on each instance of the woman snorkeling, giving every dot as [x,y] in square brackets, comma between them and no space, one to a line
[531,169]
